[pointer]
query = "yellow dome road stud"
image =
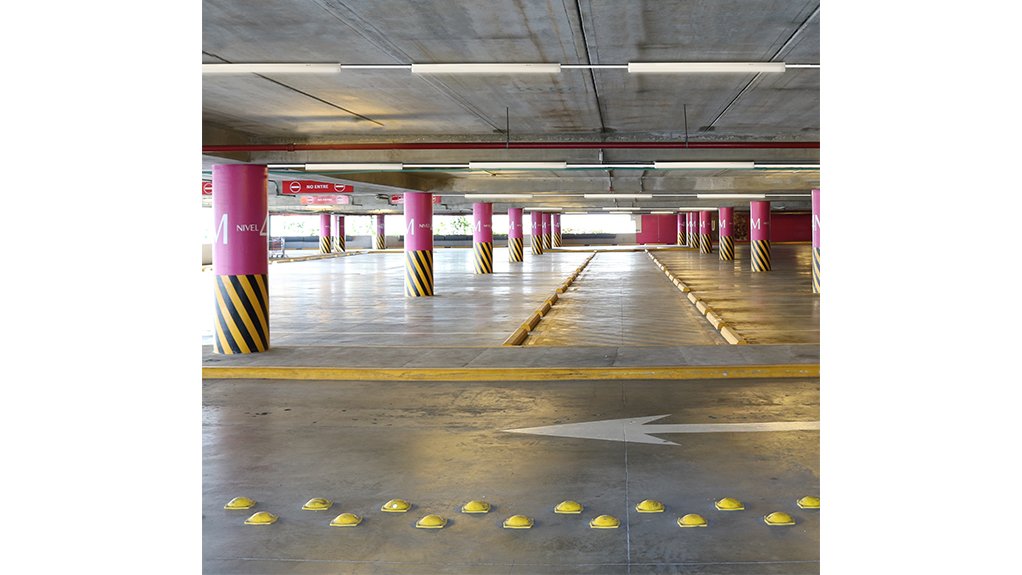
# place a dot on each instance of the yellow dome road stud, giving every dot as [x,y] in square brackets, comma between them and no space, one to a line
[261,518]
[692,520]
[605,522]
[317,504]
[518,522]
[240,503]
[569,506]
[778,518]
[476,507]
[346,520]
[431,522]
[396,506]
[650,506]
[729,504]
[808,502]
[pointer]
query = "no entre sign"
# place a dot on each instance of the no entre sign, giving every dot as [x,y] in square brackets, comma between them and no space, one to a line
[295,187]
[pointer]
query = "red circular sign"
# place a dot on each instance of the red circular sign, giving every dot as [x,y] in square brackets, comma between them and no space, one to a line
[295,187]
[207,187]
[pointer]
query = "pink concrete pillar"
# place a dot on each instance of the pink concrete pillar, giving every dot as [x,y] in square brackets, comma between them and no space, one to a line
[545,230]
[339,245]
[726,242]
[482,237]
[816,240]
[691,231]
[240,258]
[555,238]
[705,223]
[418,244]
[325,246]
[380,239]
[515,235]
[537,233]
[759,235]
[681,229]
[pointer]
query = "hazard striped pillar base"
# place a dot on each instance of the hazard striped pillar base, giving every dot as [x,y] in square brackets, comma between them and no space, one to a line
[418,273]
[555,240]
[380,242]
[816,270]
[324,244]
[484,257]
[515,249]
[760,255]
[555,223]
[537,245]
[544,229]
[340,244]
[726,247]
[242,314]
[681,238]
[704,243]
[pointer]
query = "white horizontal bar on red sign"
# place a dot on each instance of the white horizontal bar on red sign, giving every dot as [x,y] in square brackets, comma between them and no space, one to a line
[295,187]
[400,199]
[207,188]
[324,200]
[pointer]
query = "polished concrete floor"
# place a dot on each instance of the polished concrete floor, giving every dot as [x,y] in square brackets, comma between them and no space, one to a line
[621,299]
[439,445]
[778,306]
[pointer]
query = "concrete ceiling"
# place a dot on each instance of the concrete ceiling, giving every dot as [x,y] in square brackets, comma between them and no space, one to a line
[576,106]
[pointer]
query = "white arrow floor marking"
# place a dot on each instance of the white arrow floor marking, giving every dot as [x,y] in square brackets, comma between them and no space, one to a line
[634,430]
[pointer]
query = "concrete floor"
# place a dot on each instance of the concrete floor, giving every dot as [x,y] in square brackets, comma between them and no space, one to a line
[439,445]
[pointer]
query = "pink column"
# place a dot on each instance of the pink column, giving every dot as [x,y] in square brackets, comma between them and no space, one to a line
[681,229]
[240,256]
[537,233]
[515,233]
[380,239]
[555,239]
[545,230]
[339,234]
[705,219]
[482,237]
[816,240]
[759,235]
[324,233]
[726,243]
[418,244]
[690,228]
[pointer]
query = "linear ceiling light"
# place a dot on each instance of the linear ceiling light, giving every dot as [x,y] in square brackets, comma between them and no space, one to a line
[498,196]
[637,166]
[297,68]
[730,196]
[532,68]
[704,165]
[699,208]
[354,167]
[704,67]
[662,213]
[620,209]
[617,196]
[517,165]
[788,166]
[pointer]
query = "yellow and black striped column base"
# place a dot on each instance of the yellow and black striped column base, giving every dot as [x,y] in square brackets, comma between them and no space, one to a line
[515,249]
[418,273]
[484,257]
[760,255]
[537,245]
[681,239]
[546,242]
[242,314]
[704,243]
[380,242]
[726,247]
[324,244]
[557,240]
[339,245]
[816,270]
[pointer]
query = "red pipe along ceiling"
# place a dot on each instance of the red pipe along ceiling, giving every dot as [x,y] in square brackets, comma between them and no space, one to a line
[513,145]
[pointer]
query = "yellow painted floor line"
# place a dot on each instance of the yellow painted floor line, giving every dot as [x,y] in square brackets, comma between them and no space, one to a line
[515,373]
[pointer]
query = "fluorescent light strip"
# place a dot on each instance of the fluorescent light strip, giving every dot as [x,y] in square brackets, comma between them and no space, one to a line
[662,213]
[542,209]
[376,66]
[617,196]
[529,68]
[517,165]
[355,167]
[498,196]
[594,67]
[271,68]
[704,165]
[704,67]
[436,166]
[730,196]
[699,208]
[610,166]
[817,66]
[285,166]
[576,213]
[789,195]
[620,209]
